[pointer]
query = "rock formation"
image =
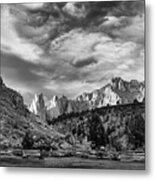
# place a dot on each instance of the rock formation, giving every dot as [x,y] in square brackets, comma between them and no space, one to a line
[117,126]
[38,106]
[116,92]
[16,120]
[1,82]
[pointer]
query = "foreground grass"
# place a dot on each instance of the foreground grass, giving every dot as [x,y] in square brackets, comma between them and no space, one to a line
[70,162]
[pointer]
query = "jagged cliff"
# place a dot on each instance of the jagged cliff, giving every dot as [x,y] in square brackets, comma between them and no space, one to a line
[38,106]
[116,92]
[16,120]
[121,127]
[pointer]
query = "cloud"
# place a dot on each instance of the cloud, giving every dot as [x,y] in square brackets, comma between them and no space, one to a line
[69,48]
[10,41]
[36,25]
[71,89]
[33,5]
[17,73]
[84,62]
[126,28]
[75,9]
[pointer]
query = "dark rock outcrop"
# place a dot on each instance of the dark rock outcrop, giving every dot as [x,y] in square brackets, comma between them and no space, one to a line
[1,82]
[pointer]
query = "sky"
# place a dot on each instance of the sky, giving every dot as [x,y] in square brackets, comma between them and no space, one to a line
[71,47]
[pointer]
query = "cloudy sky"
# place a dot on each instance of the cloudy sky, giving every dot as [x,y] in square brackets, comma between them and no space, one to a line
[70,48]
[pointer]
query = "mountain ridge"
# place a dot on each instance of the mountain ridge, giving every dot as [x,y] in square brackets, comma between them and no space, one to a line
[121,127]
[118,91]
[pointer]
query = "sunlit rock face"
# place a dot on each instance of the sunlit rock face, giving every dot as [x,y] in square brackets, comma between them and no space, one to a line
[38,106]
[128,91]
[52,103]
[116,92]
[110,97]
[102,97]
[57,106]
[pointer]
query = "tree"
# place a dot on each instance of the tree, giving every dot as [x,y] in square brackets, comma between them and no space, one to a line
[137,131]
[28,142]
[97,132]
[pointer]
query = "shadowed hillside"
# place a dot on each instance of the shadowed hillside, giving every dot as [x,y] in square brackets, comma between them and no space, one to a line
[16,121]
[121,127]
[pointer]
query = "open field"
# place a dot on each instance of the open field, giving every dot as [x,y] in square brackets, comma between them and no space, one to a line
[71,162]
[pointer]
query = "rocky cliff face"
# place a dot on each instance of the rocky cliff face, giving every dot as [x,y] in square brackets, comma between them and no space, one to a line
[118,126]
[116,92]
[128,91]
[16,120]
[38,106]
[101,97]
[13,98]
[1,82]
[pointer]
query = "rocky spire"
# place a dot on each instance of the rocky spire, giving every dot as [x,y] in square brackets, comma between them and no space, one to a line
[1,82]
[38,106]
[118,83]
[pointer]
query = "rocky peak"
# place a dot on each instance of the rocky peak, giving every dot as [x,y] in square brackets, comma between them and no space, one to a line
[41,100]
[37,103]
[38,106]
[118,83]
[84,97]
[1,82]
[134,83]
[52,103]
[13,98]
[55,99]
[118,91]
[63,98]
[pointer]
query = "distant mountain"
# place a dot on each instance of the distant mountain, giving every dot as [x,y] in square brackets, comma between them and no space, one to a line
[116,92]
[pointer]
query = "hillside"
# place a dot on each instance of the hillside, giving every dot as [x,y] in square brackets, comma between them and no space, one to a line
[115,128]
[121,127]
[16,120]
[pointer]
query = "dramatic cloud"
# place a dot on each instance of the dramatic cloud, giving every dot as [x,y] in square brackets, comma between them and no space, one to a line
[69,48]
[11,42]
[127,28]
[84,62]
